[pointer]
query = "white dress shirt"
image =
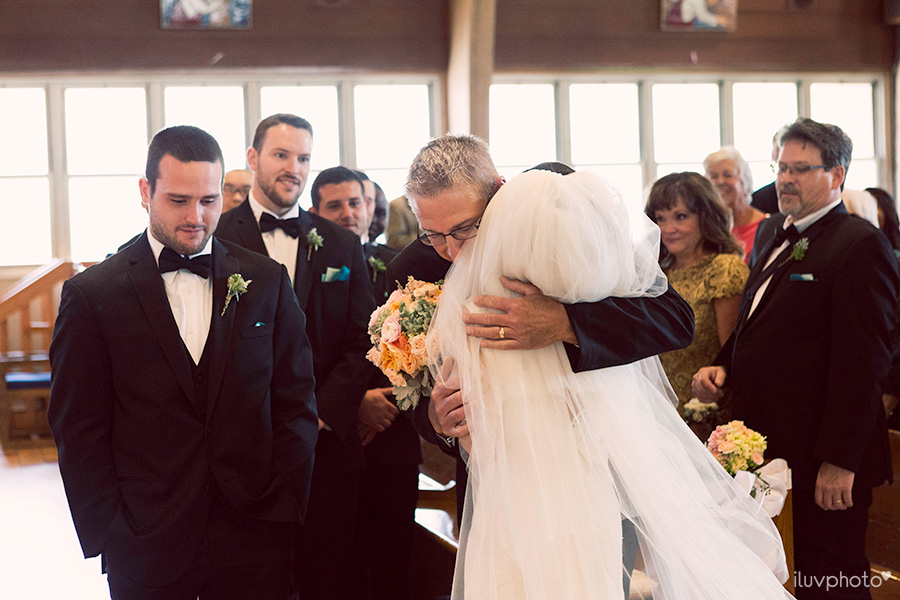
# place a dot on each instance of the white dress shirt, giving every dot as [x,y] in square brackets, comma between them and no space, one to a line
[190,298]
[801,225]
[279,245]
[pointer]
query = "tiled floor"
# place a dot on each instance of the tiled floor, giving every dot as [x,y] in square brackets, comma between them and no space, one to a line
[40,558]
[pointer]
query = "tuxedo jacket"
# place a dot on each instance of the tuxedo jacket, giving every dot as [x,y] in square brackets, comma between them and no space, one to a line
[337,312]
[141,451]
[806,368]
[398,444]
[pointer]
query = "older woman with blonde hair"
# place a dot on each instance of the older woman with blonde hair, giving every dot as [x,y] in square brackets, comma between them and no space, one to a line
[730,174]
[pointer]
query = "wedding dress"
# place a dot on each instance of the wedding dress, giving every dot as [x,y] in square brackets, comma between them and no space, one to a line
[559,459]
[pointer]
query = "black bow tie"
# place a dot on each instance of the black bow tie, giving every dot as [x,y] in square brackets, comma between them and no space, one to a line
[169,260]
[790,234]
[291,227]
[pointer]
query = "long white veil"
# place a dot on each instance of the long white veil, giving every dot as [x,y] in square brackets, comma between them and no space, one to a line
[559,459]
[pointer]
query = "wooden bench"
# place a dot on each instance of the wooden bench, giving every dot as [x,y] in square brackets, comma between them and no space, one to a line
[27,314]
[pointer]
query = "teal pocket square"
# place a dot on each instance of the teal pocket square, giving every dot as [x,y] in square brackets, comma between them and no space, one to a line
[332,274]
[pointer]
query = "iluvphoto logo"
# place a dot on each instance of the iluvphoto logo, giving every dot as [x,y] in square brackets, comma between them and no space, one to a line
[840,580]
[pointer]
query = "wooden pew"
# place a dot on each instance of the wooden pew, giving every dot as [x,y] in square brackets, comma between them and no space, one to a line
[27,315]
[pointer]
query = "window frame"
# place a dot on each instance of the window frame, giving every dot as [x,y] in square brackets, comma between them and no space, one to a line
[154,84]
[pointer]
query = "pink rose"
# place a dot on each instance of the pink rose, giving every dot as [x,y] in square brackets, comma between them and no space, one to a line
[727,446]
[757,458]
[390,329]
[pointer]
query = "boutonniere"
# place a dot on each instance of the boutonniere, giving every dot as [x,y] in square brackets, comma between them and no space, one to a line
[798,251]
[314,241]
[236,287]
[377,265]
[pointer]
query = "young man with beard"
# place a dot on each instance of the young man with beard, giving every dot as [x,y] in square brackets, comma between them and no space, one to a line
[182,398]
[329,275]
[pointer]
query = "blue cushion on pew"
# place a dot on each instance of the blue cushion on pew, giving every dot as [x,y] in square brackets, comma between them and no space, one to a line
[27,381]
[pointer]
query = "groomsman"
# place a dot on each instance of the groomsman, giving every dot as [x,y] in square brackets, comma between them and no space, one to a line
[808,354]
[332,286]
[182,398]
[390,480]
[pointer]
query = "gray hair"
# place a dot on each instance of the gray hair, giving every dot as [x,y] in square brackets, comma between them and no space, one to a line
[452,162]
[730,152]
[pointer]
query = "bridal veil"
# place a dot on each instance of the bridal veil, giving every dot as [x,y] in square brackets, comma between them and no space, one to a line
[560,459]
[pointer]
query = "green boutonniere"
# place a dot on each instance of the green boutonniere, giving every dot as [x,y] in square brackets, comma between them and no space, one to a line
[236,287]
[800,249]
[314,241]
[377,265]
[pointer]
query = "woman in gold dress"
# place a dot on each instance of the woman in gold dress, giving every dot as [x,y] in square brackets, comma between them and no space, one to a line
[703,262]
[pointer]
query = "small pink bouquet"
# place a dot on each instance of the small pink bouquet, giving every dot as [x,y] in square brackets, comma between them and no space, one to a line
[737,447]
[397,330]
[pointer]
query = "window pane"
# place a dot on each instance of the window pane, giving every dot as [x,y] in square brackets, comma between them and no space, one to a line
[523,125]
[316,104]
[663,170]
[754,128]
[850,106]
[762,173]
[217,110]
[25,226]
[23,129]
[685,121]
[628,179]
[392,181]
[104,213]
[605,123]
[106,131]
[862,174]
[392,123]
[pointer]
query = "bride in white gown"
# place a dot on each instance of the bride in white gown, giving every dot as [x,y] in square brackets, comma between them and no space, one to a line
[558,459]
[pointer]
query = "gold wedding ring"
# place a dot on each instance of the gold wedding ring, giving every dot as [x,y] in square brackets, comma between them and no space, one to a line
[838,502]
[502,332]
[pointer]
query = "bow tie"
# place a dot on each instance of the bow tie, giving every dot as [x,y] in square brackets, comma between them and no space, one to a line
[291,227]
[790,235]
[169,260]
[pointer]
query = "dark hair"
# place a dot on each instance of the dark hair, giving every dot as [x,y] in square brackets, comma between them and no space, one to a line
[831,141]
[362,176]
[553,167]
[331,176]
[700,198]
[184,143]
[891,223]
[278,119]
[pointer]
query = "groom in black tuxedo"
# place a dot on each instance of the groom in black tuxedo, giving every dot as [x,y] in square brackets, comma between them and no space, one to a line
[332,286]
[182,401]
[808,354]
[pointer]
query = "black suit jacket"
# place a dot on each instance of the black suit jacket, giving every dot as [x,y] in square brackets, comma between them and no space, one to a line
[140,454]
[399,443]
[806,368]
[337,316]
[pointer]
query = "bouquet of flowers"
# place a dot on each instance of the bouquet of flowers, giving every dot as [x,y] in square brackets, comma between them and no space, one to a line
[737,447]
[397,330]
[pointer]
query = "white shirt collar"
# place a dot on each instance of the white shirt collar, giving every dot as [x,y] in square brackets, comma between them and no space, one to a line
[258,209]
[802,224]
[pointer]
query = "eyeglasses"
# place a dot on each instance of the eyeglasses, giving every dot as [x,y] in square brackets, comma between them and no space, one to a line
[800,169]
[461,234]
[233,189]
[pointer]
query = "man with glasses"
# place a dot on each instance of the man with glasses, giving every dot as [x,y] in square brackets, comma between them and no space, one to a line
[236,188]
[450,183]
[808,354]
